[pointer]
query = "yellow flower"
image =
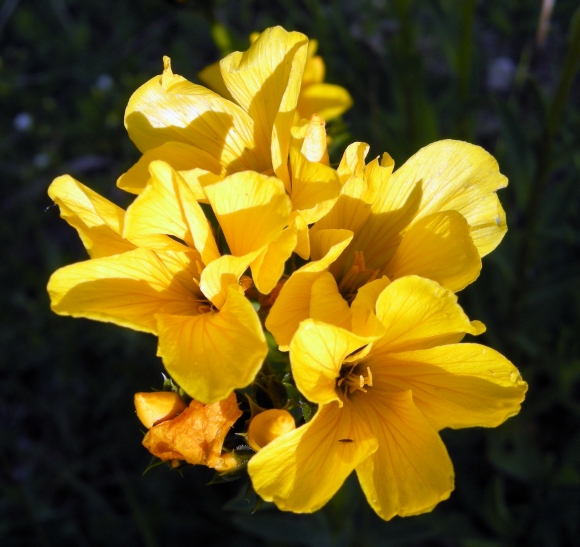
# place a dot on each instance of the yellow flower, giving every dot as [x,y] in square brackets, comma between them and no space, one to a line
[210,337]
[253,211]
[382,400]
[435,217]
[316,97]
[205,136]
[196,435]
[189,126]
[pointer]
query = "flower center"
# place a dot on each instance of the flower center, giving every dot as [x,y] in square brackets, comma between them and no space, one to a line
[356,277]
[350,379]
[205,306]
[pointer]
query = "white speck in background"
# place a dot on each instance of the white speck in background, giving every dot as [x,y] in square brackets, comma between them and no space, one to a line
[23,121]
[500,74]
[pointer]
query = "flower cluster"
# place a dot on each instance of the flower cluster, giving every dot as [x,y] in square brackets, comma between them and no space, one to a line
[242,235]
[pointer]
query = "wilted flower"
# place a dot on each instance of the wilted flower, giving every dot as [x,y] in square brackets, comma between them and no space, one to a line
[196,435]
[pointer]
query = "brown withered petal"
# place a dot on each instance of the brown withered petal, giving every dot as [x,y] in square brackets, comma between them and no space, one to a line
[196,435]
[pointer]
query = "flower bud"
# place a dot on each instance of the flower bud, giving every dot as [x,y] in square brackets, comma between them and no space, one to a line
[269,425]
[158,406]
[226,462]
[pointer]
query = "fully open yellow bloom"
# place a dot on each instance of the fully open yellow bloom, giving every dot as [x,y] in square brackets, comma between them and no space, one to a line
[315,97]
[210,338]
[435,217]
[383,398]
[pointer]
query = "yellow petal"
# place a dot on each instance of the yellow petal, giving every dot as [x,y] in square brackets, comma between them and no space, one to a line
[252,209]
[363,308]
[382,231]
[157,210]
[98,222]
[377,176]
[293,302]
[265,82]
[352,163]
[315,143]
[326,100]
[418,313]
[314,69]
[268,267]
[317,352]
[327,304]
[168,206]
[438,246]
[127,289]
[411,471]
[326,246]
[168,108]
[457,176]
[309,137]
[350,211]
[456,385]
[180,156]
[291,307]
[302,470]
[220,274]
[211,77]
[197,180]
[368,294]
[315,187]
[302,235]
[212,354]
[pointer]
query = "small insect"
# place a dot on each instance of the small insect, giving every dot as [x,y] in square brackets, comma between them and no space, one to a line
[345,441]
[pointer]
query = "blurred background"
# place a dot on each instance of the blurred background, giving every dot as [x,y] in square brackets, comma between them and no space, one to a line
[499,73]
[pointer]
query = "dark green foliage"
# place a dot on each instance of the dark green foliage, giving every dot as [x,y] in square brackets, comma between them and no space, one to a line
[71,462]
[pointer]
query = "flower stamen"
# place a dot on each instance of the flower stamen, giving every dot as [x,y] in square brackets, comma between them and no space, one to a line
[356,277]
[349,381]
